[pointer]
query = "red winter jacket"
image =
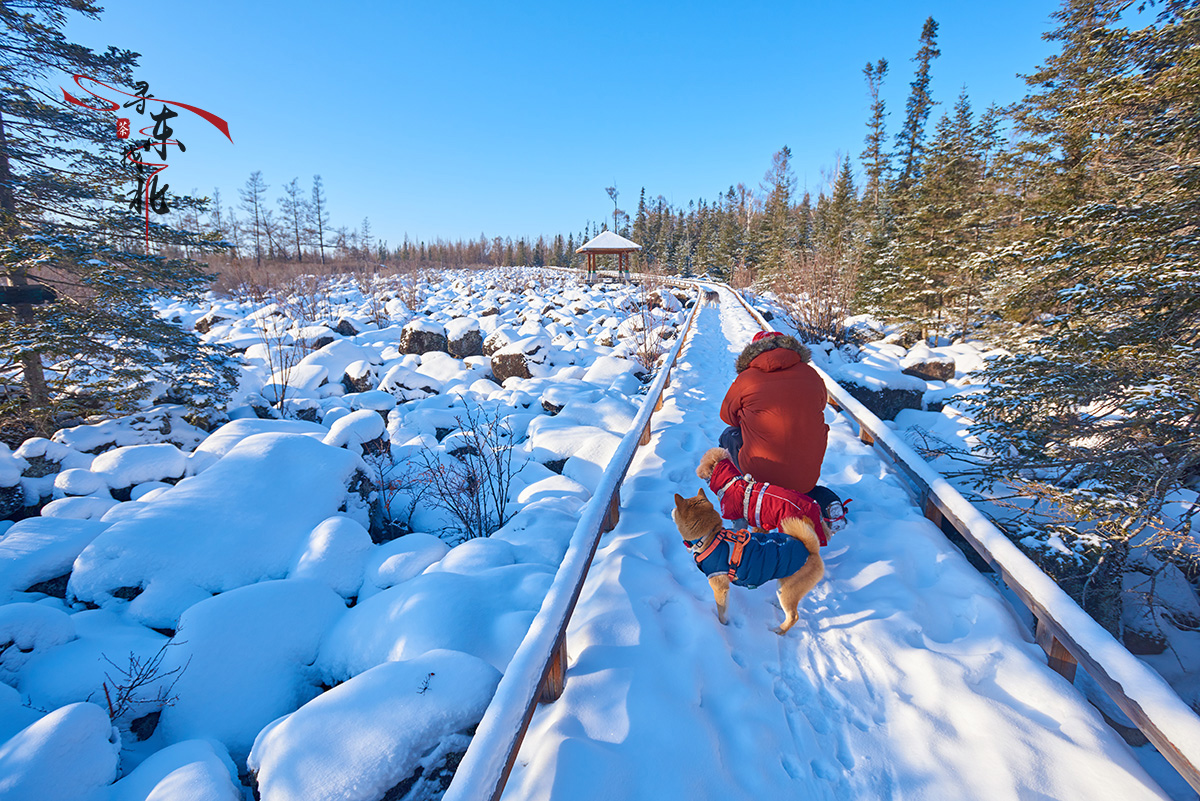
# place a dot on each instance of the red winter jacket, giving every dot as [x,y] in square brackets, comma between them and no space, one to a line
[762,505]
[778,401]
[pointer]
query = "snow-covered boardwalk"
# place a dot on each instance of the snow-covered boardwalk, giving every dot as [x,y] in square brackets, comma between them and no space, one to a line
[907,677]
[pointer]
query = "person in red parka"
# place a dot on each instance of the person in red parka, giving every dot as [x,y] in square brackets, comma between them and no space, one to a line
[777,403]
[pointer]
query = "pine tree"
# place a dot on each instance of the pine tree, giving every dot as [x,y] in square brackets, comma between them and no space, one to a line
[910,139]
[1097,411]
[63,225]
[875,158]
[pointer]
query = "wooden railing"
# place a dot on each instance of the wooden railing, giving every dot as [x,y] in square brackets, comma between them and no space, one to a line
[1069,635]
[537,671]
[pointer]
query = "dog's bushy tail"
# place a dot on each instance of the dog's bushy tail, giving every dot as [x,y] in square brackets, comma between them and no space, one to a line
[709,461]
[801,529]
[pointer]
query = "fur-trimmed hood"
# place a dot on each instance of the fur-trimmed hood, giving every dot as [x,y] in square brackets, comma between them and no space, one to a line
[756,349]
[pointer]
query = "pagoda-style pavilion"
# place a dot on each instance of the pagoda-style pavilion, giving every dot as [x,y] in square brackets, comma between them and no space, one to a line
[607,242]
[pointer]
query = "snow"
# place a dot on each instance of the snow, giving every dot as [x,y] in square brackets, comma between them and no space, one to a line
[239,522]
[400,560]
[68,755]
[38,549]
[335,555]
[363,737]
[223,440]
[25,630]
[484,614]
[77,481]
[86,508]
[77,670]
[197,770]
[135,464]
[910,675]
[244,660]
[354,429]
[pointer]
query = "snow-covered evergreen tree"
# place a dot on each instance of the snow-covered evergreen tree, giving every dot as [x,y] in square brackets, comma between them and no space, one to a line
[64,225]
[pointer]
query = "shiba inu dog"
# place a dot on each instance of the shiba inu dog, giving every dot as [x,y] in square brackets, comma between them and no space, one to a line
[745,559]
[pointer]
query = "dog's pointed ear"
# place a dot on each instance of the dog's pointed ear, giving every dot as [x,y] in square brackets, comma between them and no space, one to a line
[700,494]
[679,499]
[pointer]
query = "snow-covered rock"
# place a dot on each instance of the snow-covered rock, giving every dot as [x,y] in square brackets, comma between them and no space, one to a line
[239,522]
[335,555]
[125,466]
[244,659]
[399,721]
[421,336]
[70,754]
[39,550]
[196,770]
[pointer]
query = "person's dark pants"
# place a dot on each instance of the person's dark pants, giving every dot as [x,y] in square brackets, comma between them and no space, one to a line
[731,440]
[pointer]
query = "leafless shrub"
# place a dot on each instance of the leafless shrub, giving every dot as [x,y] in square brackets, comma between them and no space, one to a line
[470,475]
[650,322]
[141,685]
[282,355]
[817,292]
[390,484]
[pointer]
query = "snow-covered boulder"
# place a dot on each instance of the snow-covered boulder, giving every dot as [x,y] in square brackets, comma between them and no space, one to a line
[25,630]
[77,482]
[464,338]
[244,659]
[70,754]
[922,362]
[239,522]
[360,376]
[363,432]
[340,354]
[521,358]
[198,770]
[885,392]
[486,614]
[401,559]
[406,384]
[501,338]
[422,335]
[210,320]
[225,438]
[89,507]
[36,554]
[399,722]
[335,555]
[124,467]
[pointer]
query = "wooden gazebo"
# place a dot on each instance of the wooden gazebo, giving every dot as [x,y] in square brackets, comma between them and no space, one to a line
[607,242]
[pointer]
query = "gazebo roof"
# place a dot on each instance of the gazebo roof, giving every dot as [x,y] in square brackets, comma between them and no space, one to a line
[608,242]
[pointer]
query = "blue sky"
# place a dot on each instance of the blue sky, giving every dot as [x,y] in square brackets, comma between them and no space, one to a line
[449,119]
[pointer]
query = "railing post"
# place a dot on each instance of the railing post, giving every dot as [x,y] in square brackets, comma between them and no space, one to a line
[645,440]
[556,676]
[1058,657]
[865,435]
[931,511]
[614,513]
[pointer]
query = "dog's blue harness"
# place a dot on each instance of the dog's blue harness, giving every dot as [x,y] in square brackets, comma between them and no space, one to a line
[749,559]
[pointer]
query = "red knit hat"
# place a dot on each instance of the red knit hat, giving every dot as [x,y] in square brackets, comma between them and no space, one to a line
[765,334]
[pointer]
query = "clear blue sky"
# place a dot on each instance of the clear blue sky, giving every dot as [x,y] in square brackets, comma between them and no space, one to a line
[455,118]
